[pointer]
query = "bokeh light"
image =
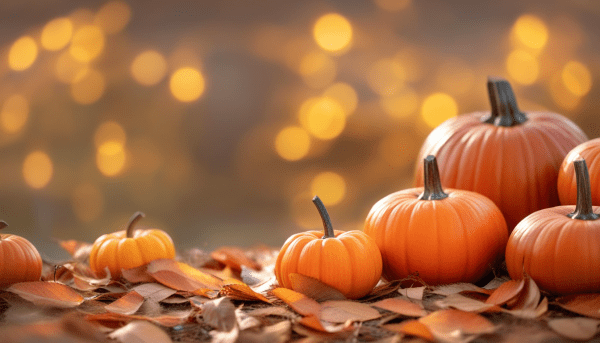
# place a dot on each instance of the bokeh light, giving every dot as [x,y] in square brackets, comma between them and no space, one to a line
[325,119]
[89,88]
[292,143]
[22,53]
[15,112]
[386,76]
[87,43]
[332,32]
[522,67]
[561,95]
[109,131]
[37,169]
[393,5]
[577,78]
[111,158]
[187,84]
[437,108]
[330,187]
[317,69]
[57,34]
[344,94]
[149,68]
[69,70]
[87,202]
[113,16]
[401,105]
[531,31]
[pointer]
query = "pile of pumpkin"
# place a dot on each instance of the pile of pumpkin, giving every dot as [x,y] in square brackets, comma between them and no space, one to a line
[507,171]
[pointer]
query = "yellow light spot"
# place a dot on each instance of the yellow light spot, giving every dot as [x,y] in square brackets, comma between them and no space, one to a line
[89,88]
[15,112]
[22,53]
[57,34]
[523,67]
[577,78]
[386,76]
[317,69]
[37,169]
[68,69]
[393,5]
[305,110]
[561,95]
[87,43]
[332,32]
[292,143]
[344,94]
[87,202]
[113,16]
[187,84]
[109,131]
[110,158]
[325,119]
[437,108]
[531,31]
[148,68]
[330,187]
[401,105]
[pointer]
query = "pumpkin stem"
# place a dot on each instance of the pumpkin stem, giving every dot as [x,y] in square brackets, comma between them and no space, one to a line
[324,217]
[132,221]
[432,187]
[2,226]
[505,111]
[583,208]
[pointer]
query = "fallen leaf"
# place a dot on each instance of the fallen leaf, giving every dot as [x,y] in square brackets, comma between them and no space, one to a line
[452,324]
[240,291]
[220,314]
[127,304]
[272,311]
[411,328]
[584,304]
[454,288]
[45,293]
[460,302]
[507,291]
[235,258]
[115,320]
[401,306]
[276,333]
[314,288]
[154,291]
[341,311]
[298,301]
[315,323]
[181,276]
[253,277]
[225,336]
[527,304]
[137,274]
[80,251]
[413,292]
[246,321]
[140,332]
[578,329]
[382,290]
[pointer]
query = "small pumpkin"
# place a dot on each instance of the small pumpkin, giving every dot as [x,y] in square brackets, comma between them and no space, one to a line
[509,156]
[347,261]
[129,248]
[559,247]
[20,261]
[567,183]
[445,236]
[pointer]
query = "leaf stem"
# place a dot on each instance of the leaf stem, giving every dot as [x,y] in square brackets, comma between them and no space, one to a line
[132,221]
[505,111]
[432,186]
[583,208]
[324,217]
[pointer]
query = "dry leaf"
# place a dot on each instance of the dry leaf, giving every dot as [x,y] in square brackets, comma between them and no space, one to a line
[127,304]
[276,333]
[507,291]
[460,302]
[225,336]
[115,320]
[272,311]
[451,324]
[140,332]
[496,282]
[413,292]
[240,291]
[220,314]
[253,277]
[246,321]
[80,251]
[181,276]
[314,288]
[527,304]
[341,311]
[401,306]
[315,323]
[382,290]
[298,301]
[584,304]
[412,328]
[454,288]
[235,258]
[154,291]
[45,293]
[578,329]
[137,274]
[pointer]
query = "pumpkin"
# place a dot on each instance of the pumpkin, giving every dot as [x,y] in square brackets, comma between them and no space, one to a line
[567,183]
[509,156]
[347,261]
[129,248]
[445,236]
[559,247]
[19,259]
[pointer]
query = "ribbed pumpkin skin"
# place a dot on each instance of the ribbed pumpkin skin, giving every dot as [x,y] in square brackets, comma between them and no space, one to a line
[456,239]
[350,262]
[117,252]
[516,167]
[567,185]
[562,255]
[19,260]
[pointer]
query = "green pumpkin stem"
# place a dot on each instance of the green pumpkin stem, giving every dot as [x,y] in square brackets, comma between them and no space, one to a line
[583,208]
[324,217]
[505,111]
[432,186]
[132,221]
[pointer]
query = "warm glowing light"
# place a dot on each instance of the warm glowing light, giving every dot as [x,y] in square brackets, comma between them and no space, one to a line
[87,43]
[87,202]
[113,16]
[110,158]
[330,187]
[68,69]
[400,105]
[325,119]
[393,5]
[22,53]
[577,78]
[149,67]
[386,76]
[344,94]
[523,67]
[57,34]
[37,169]
[187,84]
[109,131]
[561,95]
[437,108]
[332,32]
[89,88]
[531,31]
[317,69]
[15,112]
[292,143]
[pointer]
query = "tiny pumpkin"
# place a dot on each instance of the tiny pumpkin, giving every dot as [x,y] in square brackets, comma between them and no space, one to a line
[445,236]
[19,259]
[559,247]
[347,261]
[129,248]
[567,182]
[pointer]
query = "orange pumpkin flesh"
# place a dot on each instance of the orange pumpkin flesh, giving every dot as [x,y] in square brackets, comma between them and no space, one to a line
[347,261]
[559,247]
[129,248]
[567,182]
[19,259]
[444,236]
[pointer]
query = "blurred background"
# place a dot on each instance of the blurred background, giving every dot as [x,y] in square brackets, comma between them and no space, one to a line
[221,119]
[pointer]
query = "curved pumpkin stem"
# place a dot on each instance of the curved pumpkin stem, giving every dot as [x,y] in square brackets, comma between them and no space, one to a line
[432,186]
[324,217]
[132,221]
[583,208]
[505,111]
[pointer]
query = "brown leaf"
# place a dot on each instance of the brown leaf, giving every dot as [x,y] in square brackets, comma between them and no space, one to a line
[246,321]
[401,306]
[454,288]
[140,331]
[235,258]
[314,288]
[44,293]
[527,304]
[220,314]
[452,324]
[298,301]
[154,291]
[382,290]
[225,336]
[411,328]
[115,320]
[240,291]
[315,323]
[137,274]
[584,304]
[413,292]
[272,311]
[341,311]
[578,329]
[80,251]
[276,333]
[127,304]
[507,291]
[181,276]
[460,302]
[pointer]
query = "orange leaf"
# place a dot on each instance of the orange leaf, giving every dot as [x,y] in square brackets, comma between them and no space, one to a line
[114,320]
[154,291]
[314,288]
[411,328]
[242,292]
[127,304]
[584,304]
[137,274]
[340,311]
[78,250]
[44,293]
[579,329]
[506,292]
[298,301]
[235,258]
[448,324]
[315,323]
[181,276]
[140,332]
[401,306]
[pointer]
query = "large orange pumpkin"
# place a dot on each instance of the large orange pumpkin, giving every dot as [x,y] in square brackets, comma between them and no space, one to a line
[19,259]
[559,247]
[507,155]
[567,183]
[445,236]
[129,248]
[347,261]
